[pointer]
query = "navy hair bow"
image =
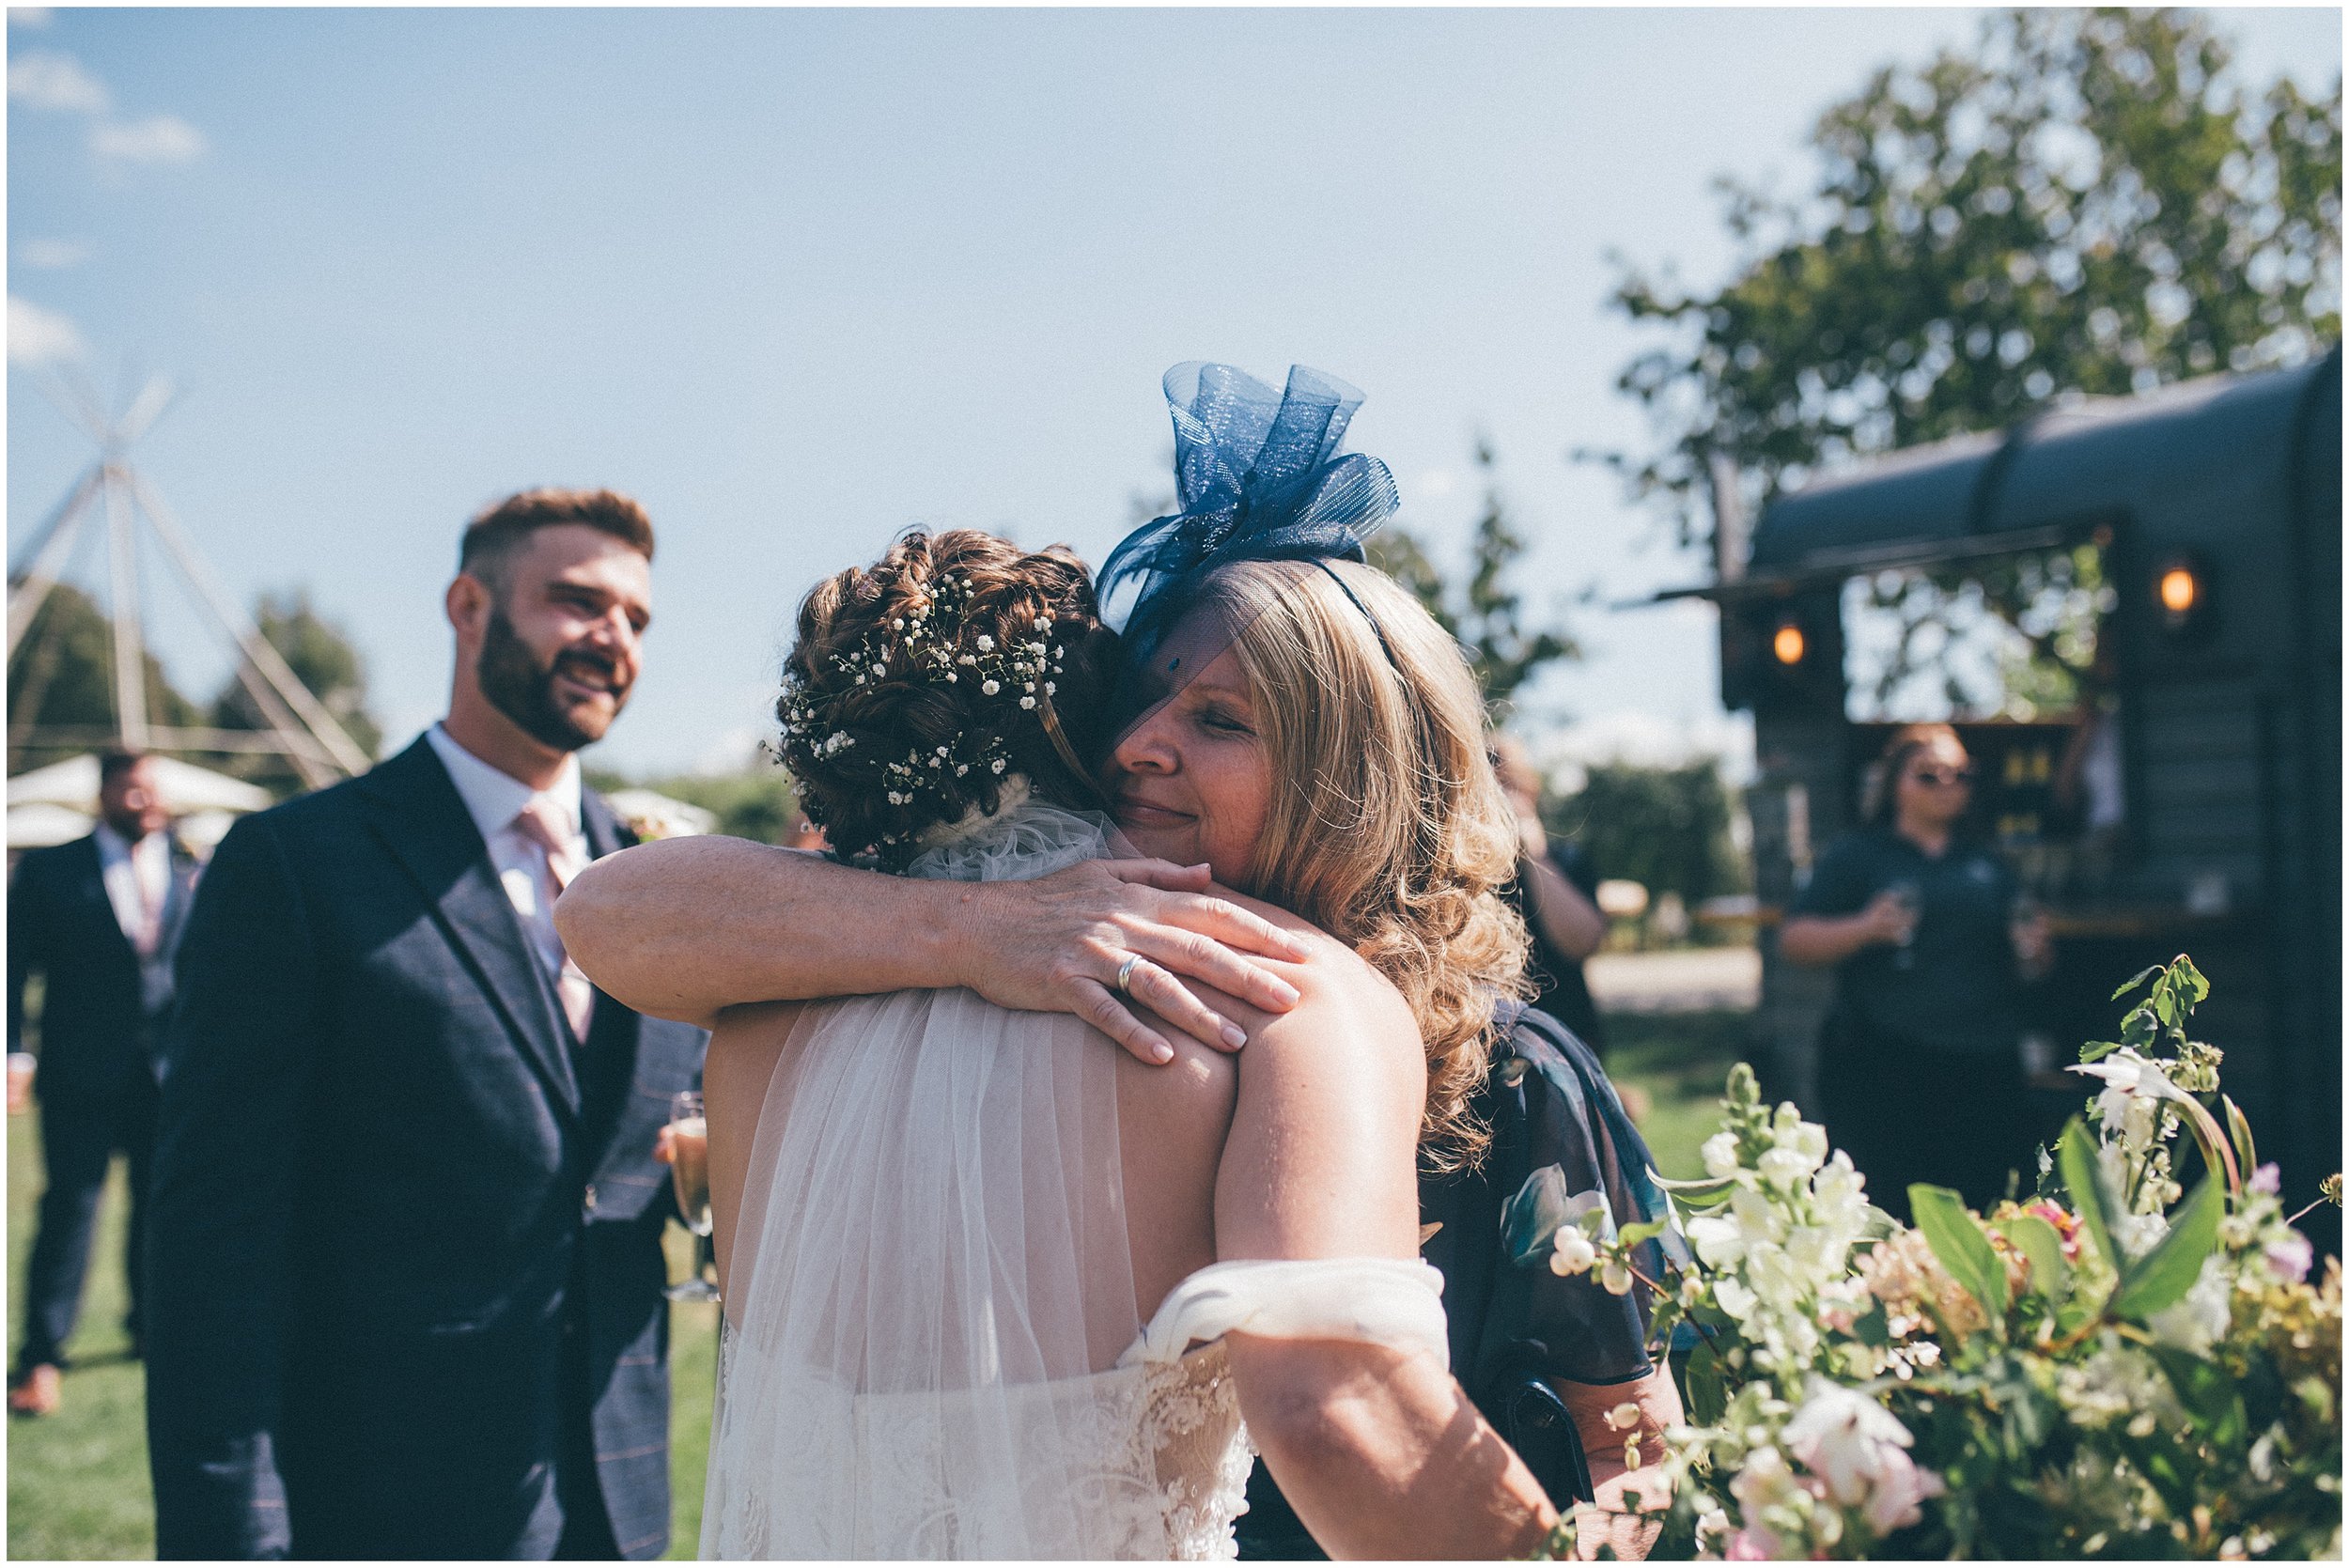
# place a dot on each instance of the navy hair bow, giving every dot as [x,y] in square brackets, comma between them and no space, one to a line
[1258,477]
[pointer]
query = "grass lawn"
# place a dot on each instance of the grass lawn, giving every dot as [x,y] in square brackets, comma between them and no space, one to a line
[77,1481]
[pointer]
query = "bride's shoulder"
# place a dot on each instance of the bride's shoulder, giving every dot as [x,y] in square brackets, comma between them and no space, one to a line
[1345,1005]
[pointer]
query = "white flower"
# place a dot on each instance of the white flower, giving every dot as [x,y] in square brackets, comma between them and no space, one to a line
[1839,1194]
[1623,1417]
[1027,702]
[2198,1320]
[1049,688]
[986,644]
[1719,1241]
[1785,1168]
[1574,1253]
[2127,1075]
[1720,1155]
[1615,1278]
[1853,1446]
[990,688]
[997,766]
[1735,1299]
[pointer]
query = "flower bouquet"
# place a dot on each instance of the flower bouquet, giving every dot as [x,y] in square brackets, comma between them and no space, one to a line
[2115,1367]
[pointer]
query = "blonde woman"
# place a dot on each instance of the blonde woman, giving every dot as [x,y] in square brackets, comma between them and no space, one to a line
[1268,1216]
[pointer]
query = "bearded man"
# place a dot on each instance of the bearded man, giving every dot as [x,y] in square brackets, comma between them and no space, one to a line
[404,1292]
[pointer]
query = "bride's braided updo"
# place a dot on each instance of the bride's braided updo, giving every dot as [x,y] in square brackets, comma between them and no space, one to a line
[925,683]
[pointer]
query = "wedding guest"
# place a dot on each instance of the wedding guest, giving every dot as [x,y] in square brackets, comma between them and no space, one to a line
[405,1289]
[1557,892]
[96,919]
[1920,1075]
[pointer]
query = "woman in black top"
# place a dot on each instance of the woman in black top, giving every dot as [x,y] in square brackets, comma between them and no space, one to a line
[1921,1077]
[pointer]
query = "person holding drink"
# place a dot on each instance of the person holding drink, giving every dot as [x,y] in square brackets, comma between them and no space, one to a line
[1934,944]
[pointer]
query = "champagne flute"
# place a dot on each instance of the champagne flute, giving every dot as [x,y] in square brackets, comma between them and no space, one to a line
[688,1169]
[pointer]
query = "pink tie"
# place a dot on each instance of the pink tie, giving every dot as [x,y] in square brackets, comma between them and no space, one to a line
[544,826]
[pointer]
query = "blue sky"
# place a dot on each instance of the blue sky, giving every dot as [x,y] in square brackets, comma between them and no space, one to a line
[799,278]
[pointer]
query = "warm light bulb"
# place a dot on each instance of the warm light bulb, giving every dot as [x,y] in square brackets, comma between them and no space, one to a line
[1787,644]
[2179,590]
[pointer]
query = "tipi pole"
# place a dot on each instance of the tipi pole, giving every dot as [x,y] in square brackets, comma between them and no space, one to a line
[48,557]
[342,751]
[129,650]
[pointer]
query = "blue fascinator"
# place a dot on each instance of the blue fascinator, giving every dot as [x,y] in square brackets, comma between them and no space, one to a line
[1258,477]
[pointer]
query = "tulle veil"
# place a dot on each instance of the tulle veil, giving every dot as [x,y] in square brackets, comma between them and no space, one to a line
[930,1283]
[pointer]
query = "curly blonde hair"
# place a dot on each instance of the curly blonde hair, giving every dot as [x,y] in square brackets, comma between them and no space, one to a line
[1395,837]
[866,690]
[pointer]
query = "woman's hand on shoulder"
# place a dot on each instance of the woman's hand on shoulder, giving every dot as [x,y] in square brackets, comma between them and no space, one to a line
[1058,945]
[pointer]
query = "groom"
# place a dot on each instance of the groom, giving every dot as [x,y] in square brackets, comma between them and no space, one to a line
[405,1266]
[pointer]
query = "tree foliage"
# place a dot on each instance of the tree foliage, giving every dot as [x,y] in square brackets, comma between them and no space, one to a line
[323,655]
[63,675]
[1485,612]
[1665,826]
[2092,202]
[2089,202]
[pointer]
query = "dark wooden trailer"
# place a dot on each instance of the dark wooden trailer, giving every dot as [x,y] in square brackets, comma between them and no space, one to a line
[2218,506]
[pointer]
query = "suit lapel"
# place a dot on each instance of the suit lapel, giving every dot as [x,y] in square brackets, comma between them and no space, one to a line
[423,821]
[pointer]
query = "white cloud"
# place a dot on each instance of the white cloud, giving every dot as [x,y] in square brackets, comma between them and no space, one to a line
[43,79]
[52,255]
[29,16]
[38,336]
[157,139]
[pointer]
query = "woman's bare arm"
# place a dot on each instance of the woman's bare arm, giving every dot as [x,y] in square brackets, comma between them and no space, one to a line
[1821,942]
[1376,1448]
[683,928]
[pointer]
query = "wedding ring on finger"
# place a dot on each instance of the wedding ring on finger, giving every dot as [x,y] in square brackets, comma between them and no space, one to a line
[1125,975]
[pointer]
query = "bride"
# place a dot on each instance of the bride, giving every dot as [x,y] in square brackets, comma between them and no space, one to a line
[996,1291]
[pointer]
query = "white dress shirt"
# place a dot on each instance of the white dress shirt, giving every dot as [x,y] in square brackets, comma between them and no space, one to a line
[495,799]
[137,877]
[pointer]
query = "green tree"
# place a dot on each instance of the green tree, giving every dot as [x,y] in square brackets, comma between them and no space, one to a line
[1486,613]
[1665,826]
[63,676]
[756,804]
[323,655]
[2087,202]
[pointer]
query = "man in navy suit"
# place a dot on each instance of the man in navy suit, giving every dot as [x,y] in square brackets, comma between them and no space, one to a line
[96,919]
[405,1266]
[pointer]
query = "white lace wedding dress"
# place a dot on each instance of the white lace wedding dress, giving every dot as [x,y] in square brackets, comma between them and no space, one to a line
[933,1348]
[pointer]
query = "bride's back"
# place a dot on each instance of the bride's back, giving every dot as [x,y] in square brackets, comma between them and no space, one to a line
[1031,1131]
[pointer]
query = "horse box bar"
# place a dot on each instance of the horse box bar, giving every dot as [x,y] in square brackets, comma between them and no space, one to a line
[2216,505]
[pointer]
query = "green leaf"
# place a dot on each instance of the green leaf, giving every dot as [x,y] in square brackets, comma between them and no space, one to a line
[2097,1050]
[1957,1241]
[1708,1395]
[2037,1240]
[1647,1230]
[2239,1131]
[2164,1275]
[2134,980]
[2209,1395]
[1700,1192]
[2091,1199]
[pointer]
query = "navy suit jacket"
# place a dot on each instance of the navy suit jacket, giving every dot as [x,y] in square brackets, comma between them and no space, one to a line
[95,1040]
[388,1193]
